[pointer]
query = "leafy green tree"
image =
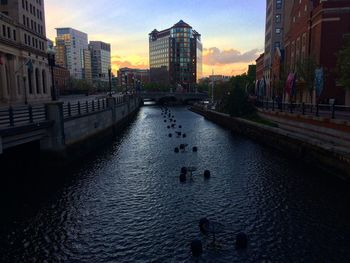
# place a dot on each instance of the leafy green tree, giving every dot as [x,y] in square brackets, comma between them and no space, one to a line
[343,66]
[238,104]
[156,87]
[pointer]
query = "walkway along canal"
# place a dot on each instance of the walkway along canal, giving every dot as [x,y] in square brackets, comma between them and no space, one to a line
[126,204]
[330,152]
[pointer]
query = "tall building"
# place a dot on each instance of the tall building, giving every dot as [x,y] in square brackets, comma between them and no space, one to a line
[24,70]
[317,30]
[100,60]
[87,71]
[175,56]
[74,42]
[61,53]
[273,37]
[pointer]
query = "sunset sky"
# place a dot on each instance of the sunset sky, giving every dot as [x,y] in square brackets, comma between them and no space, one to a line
[232,30]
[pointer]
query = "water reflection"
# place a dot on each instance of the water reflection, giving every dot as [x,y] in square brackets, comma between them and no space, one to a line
[125,204]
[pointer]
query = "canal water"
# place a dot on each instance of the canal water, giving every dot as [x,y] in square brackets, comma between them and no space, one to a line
[126,204]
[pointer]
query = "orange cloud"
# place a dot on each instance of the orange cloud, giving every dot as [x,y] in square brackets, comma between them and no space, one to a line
[215,56]
[128,62]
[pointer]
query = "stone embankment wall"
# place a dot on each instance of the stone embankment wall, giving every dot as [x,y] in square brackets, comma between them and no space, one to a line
[72,138]
[323,155]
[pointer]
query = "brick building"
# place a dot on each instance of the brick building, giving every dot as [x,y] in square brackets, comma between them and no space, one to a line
[130,78]
[316,30]
[61,77]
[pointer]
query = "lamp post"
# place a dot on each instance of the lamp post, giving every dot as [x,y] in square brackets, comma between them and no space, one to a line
[51,60]
[110,81]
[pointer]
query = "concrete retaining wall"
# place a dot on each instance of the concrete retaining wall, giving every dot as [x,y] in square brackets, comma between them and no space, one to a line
[83,134]
[298,146]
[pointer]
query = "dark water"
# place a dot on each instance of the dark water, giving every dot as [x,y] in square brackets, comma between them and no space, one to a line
[126,203]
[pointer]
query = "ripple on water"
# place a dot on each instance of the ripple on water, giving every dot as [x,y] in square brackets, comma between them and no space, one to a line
[127,204]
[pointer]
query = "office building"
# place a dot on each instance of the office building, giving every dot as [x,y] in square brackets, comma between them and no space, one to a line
[175,56]
[100,60]
[71,52]
[24,70]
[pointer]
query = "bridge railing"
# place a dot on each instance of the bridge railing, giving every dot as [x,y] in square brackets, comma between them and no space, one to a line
[22,115]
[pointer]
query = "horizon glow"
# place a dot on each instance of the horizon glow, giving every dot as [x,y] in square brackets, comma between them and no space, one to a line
[232,31]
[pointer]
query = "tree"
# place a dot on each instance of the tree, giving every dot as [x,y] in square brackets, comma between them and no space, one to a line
[305,70]
[80,86]
[236,101]
[238,104]
[343,66]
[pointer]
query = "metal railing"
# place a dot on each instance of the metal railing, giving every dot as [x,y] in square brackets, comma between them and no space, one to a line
[22,115]
[28,114]
[319,110]
[79,108]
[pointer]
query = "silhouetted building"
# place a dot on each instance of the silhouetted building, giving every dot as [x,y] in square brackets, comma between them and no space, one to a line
[131,78]
[273,36]
[176,56]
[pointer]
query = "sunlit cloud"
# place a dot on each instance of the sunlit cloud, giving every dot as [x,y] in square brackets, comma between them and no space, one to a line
[215,56]
[129,62]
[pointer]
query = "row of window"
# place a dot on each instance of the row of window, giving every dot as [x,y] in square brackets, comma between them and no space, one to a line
[9,33]
[33,25]
[35,12]
[34,42]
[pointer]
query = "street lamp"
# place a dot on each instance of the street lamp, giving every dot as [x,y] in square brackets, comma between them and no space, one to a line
[51,60]
[110,81]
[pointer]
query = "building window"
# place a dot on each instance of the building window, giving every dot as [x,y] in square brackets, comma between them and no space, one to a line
[278,31]
[3,2]
[278,4]
[30,80]
[277,44]
[278,19]
[44,81]
[18,84]
[37,81]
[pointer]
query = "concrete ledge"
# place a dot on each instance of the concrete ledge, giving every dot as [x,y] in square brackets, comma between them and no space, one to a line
[324,156]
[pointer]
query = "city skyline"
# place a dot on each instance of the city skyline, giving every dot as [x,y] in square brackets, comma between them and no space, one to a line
[228,50]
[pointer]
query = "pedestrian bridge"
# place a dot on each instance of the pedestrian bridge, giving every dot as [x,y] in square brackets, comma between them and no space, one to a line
[180,97]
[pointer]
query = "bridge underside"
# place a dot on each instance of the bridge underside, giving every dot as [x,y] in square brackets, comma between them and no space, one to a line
[173,98]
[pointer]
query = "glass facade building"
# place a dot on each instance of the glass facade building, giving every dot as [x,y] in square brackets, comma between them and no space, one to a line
[100,60]
[176,56]
[75,43]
